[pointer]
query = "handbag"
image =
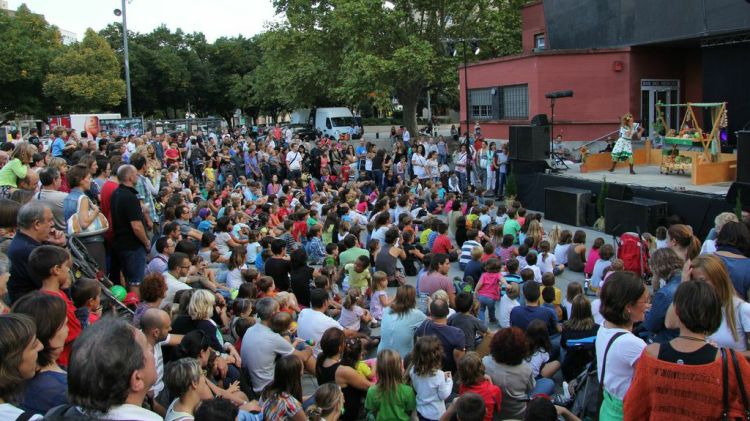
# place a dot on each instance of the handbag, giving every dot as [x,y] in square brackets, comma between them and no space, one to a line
[99,225]
[600,394]
[725,384]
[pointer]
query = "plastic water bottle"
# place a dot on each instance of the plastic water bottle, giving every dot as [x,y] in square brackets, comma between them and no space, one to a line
[586,287]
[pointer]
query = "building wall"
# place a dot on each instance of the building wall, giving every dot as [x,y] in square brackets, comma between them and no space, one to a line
[532,16]
[593,110]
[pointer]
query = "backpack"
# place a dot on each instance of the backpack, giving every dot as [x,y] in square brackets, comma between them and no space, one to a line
[634,253]
[587,390]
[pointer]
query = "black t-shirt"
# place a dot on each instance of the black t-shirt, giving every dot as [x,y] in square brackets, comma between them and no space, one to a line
[302,279]
[278,269]
[125,208]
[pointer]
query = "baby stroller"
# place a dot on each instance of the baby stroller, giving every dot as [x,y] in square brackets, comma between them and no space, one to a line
[633,250]
[86,267]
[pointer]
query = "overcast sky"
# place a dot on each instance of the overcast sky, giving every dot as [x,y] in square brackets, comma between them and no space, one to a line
[215,18]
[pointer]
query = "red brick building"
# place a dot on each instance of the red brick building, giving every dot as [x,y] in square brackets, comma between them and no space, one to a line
[610,74]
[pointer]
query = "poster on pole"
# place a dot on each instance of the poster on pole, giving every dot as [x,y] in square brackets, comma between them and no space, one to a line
[123,126]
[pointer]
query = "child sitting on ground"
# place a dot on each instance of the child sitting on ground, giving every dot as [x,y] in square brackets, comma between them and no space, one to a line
[511,271]
[353,356]
[523,251]
[353,316]
[473,328]
[531,259]
[606,252]
[548,280]
[283,324]
[287,303]
[358,274]
[266,287]
[539,361]
[593,256]
[527,275]
[473,380]
[489,252]
[474,268]
[390,397]
[507,303]
[548,296]
[547,261]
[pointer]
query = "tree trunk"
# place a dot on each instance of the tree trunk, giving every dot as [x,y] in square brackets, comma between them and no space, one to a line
[409,102]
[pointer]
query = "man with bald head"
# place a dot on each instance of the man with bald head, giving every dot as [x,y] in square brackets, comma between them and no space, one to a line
[155,325]
[130,241]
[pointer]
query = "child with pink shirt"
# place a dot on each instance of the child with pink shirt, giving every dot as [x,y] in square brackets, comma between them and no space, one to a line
[488,288]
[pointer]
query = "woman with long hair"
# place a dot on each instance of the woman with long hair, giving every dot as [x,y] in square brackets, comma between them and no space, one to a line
[689,362]
[330,368]
[390,398]
[282,398]
[328,403]
[579,326]
[683,241]
[419,163]
[735,320]
[400,321]
[17,166]
[623,150]
[666,265]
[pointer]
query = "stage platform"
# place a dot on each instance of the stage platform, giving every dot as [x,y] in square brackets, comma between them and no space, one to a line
[696,206]
[647,176]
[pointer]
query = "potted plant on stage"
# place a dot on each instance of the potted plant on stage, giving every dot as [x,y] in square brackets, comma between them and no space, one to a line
[599,224]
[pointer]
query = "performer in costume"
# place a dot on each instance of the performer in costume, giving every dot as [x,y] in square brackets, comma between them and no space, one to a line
[623,150]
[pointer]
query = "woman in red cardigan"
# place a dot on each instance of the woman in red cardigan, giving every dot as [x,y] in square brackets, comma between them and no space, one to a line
[682,379]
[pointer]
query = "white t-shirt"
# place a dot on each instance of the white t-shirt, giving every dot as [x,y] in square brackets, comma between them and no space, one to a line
[222,244]
[418,162]
[595,306]
[561,253]
[10,412]
[536,361]
[506,305]
[723,336]
[621,359]
[312,324]
[159,362]
[173,285]
[709,247]
[546,265]
[431,391]
[234,277]
[294,159]
[252,252]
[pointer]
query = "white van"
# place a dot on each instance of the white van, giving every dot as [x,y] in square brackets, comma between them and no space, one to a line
[332,121]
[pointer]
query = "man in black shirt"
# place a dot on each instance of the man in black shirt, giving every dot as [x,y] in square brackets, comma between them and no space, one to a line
[278,266]
[130,241]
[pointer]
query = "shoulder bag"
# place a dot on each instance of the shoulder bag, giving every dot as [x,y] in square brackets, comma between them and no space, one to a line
[99,225]
[725,385]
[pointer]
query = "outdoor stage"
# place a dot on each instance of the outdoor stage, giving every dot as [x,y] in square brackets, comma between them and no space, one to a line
[695,205]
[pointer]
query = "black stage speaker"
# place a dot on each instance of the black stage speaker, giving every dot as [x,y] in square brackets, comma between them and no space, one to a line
[529,143]
[743,156]
[518,166]
[539,120]
[632,215]
[566,205]
[619,192]
[741,189]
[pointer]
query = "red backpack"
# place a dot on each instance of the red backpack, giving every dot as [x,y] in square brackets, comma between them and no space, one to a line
[634,253]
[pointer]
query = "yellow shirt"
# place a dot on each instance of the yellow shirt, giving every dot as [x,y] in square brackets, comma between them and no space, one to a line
[360,280]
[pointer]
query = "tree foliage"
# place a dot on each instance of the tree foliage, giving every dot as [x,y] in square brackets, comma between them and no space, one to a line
[86,76]
[27,45]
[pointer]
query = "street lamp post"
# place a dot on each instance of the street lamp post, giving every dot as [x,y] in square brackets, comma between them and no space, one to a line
[123,12]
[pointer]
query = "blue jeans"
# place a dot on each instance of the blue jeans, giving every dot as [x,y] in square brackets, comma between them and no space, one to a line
[377,177]
[543,386]
[133,265]
[500,183]
[489,304]
[462,181]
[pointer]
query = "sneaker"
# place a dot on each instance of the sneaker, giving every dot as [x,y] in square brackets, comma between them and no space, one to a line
[561,400]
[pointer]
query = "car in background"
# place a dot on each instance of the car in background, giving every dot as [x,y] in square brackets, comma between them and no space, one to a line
[304,131]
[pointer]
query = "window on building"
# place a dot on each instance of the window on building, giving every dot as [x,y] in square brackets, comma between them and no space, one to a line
[480,101]
[539,41]
[515,102]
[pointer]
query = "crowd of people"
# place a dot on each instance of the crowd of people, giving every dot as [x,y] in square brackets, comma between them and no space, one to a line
[252,265]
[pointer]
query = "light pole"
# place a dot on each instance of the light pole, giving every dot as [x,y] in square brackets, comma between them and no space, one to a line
[475,48]
[123,12]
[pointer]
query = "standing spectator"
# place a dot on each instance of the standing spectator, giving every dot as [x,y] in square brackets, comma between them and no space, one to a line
[35,226]
[130,239]
[294,162]
[16,168]
[19,347]
[624,300]
[146,189]
[76,202]
[501,163]
[51,196]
